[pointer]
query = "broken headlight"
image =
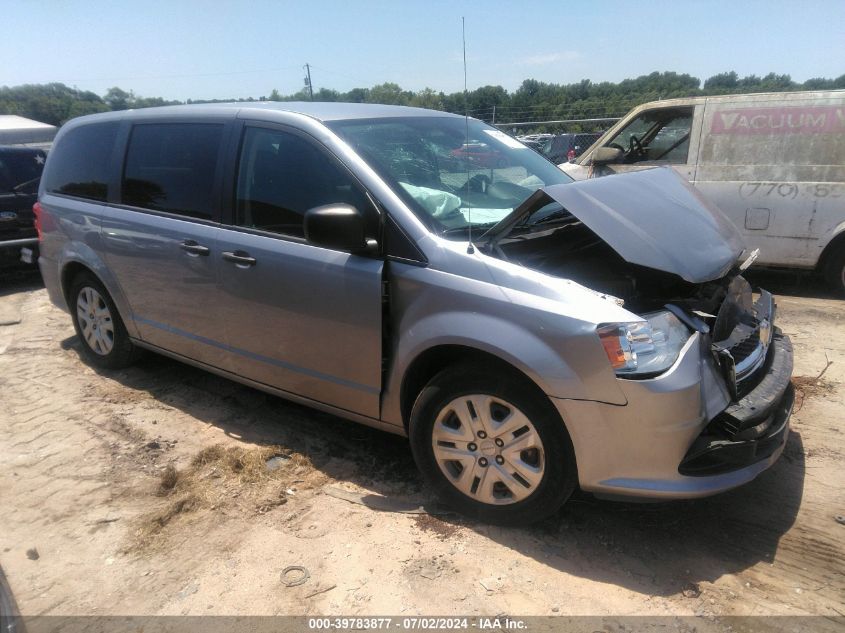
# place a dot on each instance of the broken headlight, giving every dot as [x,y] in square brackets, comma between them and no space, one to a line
[644,348]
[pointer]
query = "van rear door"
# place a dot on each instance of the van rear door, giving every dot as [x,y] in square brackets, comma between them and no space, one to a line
[161,240]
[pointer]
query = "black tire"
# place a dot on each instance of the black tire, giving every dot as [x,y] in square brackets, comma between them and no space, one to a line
[834,270]
[122,353]
[10,615]
[559,476]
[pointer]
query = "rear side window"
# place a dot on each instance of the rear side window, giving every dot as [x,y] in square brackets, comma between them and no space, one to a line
[171,167]
[80,163]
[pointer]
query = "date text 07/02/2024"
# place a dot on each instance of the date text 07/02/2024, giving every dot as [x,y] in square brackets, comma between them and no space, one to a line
[416,623]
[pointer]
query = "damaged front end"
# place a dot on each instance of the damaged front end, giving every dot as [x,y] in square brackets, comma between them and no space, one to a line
[649,241]
[755,359]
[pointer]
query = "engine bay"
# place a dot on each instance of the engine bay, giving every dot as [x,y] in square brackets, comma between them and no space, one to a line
[567,248]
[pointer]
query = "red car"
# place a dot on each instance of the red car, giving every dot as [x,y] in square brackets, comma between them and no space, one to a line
[480,154]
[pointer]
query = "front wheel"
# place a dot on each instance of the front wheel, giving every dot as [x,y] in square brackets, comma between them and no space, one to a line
[105,341]
[492,445]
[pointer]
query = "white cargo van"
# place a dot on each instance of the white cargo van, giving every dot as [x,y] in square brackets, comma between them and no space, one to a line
[774,163]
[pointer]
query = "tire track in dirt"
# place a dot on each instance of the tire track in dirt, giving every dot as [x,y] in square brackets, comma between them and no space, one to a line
[48,485]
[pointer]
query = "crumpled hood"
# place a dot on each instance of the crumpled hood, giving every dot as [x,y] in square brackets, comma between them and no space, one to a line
[652,218]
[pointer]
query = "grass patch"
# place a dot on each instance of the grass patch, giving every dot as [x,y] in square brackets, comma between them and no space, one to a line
[220,477]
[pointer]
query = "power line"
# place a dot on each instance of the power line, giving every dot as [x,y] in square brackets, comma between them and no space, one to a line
[340,74]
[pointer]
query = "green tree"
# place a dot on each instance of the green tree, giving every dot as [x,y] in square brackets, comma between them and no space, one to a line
[533,100]
[52,103]
[326,94]
[389,94]
[118,99]
[722,82]
[427,98]
[356,95]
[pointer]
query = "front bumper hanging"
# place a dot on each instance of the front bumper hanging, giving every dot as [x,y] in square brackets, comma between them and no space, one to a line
[752,428]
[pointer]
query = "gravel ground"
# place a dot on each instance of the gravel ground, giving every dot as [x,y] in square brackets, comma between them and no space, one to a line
[137,492]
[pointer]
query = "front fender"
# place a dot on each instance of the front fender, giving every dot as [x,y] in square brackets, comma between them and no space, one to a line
[551,340]
[549,366]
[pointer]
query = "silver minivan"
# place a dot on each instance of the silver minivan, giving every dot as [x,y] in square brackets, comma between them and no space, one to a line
[529,334]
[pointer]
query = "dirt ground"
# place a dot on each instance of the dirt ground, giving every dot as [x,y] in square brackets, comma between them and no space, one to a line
[144,491]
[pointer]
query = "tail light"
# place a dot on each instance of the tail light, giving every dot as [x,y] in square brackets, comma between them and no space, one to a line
[36,211]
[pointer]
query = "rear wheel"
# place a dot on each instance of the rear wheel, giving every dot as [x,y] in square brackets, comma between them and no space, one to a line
[835,270]
[492,446]
[105,342]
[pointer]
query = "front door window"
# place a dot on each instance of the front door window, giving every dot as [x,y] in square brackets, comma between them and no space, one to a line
[282,175]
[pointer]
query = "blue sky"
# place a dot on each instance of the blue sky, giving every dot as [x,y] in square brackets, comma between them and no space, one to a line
[180,49]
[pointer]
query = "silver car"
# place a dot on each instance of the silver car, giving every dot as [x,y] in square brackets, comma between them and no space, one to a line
[528,334]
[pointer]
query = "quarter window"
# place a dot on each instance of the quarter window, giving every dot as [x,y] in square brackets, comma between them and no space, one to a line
[79,165]
[281,175]
[171,167]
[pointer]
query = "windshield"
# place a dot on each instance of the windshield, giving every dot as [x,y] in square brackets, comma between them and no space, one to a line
[662,134]
[451,177]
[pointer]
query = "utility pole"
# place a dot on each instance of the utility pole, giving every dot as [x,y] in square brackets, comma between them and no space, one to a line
[308,81]
[493,122]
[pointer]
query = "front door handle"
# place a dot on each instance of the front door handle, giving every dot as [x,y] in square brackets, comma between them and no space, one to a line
[241,258]
[190,246]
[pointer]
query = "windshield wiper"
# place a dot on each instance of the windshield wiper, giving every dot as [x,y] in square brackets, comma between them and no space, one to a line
[552,217]
[17,188]
[456,230]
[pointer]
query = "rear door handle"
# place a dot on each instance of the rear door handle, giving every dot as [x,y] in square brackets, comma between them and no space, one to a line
[190,246]
[241,258]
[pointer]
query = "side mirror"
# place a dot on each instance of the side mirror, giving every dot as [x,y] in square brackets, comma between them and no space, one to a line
[605,155]
[336,226]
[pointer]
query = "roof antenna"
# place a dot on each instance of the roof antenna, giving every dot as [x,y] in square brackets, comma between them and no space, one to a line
[470,247]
